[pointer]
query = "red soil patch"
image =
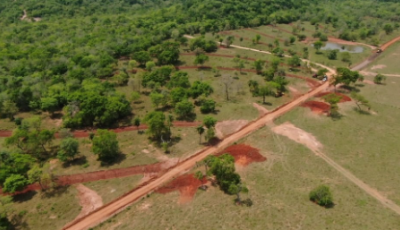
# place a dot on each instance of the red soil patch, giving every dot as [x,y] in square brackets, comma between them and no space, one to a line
[187,186]
[244,154]
[344,98]
[316,106]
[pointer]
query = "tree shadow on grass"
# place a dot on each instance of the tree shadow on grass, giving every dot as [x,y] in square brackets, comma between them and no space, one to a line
[118,159]
[54,192]
[77,161]
[17,222]
[20,198]
[362,112]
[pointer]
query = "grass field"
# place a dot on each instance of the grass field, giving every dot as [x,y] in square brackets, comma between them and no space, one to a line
[366,145]
[388,61]
[279,189]
[38,211]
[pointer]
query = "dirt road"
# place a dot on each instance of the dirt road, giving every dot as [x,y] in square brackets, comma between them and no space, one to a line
[112,208]
[372,192]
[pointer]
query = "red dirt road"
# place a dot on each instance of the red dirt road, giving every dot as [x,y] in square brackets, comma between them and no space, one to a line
[117,205]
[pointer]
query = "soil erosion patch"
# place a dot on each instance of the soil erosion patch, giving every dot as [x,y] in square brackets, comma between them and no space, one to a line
[187,186]
[88,199]
[244,154]
[224,128]
[317,106]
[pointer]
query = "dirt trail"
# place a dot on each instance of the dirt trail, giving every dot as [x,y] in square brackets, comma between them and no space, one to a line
[374,74]
[302,137]
[88,199]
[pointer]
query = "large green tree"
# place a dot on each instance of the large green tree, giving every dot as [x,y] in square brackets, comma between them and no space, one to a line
[105,146]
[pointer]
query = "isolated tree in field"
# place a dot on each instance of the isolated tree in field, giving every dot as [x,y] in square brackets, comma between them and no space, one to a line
[333,100]
[229,40]
[200,59]
[9,109]
[318,45]
[240,65]
[105,146]
[379,79]
[258,65]
[346,76]
[360,101]
[136,122]
[200,130]
[15,183]
[68,149]
[322,196]
[227,81]
[209,122]
[257,38]
[292,39]
[184,109]
[254,87]
[332,54]
[294,61]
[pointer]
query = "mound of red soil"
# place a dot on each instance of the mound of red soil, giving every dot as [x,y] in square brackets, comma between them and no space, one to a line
[344,98]
[316,106]
[244,154]
[187,186]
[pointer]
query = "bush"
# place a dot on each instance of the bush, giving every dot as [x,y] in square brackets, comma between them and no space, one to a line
[207,106]
[322,196]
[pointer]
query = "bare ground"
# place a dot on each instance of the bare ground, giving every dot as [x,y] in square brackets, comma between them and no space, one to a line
[224,128]
[261,110]
[88,199]
[378,67]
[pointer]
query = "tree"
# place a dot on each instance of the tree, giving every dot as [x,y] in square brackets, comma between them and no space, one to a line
[346,76]
[266,90]
[322,196]
[49,104]
[388,28]
[35,175]
[207,106]
[292,39]
[275,62]
[136,122]
[9,109]
[150,65]
[105,146]
[257,38]
[360,101]
[15,183]
[179,79]
[141,57]
[280,84]
[258,65]
[229,40]
[227,81]
[6,205]
[223,167]
[156,125]
[158,99]
[200,130]
[294,61]
[135,96]
[184,109]
[200,88]
[333,99]
[68,149]
[318,45]
[332,54]
[200,59]
[241,65]
[379,79]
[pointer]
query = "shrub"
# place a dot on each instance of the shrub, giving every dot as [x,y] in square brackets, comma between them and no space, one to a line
[322,196]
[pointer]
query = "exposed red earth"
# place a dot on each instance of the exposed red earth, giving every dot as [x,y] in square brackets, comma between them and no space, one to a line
[317,106]
[187,186]
[244,154]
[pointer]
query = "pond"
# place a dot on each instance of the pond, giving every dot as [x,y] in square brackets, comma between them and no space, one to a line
[342,48]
